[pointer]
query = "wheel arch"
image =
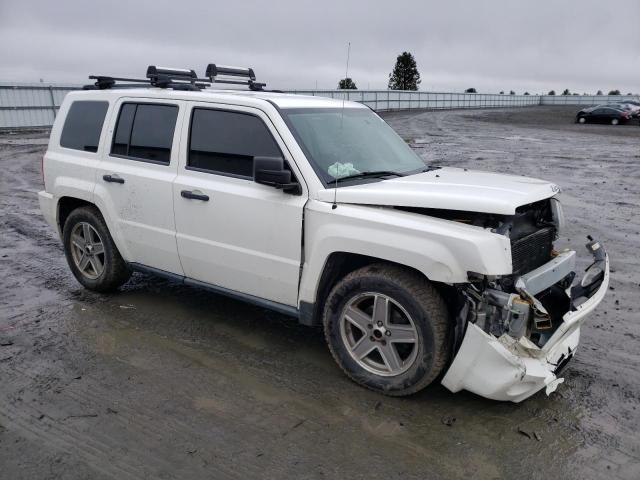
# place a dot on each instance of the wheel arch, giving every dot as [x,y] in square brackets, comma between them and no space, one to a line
[67,204]
[337,266]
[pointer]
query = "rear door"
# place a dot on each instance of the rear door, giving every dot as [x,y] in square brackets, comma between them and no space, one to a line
[134,180]
[232,232]
[605,115]
[598,115]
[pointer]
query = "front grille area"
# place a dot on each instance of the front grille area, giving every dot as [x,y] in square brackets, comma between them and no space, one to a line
[532,251]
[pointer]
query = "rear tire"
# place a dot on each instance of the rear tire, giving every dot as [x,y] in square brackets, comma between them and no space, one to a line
[408,349]
[91,253]
[582,120]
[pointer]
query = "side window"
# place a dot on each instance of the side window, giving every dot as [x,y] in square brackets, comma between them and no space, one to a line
[83,125]
[145,131]
[226,142]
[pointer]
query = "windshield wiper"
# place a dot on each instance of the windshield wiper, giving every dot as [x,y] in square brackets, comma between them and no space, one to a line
[372,174]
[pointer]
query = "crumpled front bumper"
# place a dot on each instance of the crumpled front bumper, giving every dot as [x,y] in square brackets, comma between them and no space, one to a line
[508,369]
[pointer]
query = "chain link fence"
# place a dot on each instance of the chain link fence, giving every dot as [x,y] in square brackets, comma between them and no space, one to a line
[36,105]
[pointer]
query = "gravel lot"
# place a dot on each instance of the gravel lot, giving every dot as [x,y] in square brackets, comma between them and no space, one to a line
[165,381]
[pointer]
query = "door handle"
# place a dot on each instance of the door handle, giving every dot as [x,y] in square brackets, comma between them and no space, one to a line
[194,195]
[113,178]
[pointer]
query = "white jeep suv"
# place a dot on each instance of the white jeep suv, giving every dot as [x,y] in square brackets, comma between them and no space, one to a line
[317,209]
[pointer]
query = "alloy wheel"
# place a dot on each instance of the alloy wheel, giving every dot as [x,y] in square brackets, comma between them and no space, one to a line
[379,334]
[87,250]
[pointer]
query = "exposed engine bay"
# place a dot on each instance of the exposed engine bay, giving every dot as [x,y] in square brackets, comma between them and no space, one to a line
[532,301]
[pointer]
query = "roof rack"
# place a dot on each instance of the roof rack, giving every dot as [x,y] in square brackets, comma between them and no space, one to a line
[161,77]
[180,79]
[231,75]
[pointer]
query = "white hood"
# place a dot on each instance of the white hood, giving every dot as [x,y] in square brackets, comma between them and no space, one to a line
[448,188]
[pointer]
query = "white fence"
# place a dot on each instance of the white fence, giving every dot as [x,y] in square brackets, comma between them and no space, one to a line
[585,99]
[385,100]
[36,105]
[30,105]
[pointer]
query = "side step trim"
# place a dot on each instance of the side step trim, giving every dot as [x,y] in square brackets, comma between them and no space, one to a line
[260,302]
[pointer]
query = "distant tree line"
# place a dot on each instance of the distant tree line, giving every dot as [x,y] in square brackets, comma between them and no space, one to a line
[405,76]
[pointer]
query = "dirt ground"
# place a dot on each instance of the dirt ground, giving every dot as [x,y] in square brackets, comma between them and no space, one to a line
[165,381]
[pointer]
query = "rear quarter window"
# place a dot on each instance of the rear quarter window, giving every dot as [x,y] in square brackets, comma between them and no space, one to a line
[83,125]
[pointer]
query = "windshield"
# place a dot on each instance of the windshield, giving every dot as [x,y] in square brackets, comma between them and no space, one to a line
[351,142]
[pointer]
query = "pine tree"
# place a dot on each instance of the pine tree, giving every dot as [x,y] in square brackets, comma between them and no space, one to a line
[405,75]
[347,84]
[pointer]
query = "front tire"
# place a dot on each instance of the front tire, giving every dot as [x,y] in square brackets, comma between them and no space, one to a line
[91,253]
[582,120]
[387,328]
[615,121]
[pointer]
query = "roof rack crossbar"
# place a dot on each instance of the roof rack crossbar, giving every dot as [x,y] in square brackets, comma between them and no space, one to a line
[119,79]
[213,71]
[162,77]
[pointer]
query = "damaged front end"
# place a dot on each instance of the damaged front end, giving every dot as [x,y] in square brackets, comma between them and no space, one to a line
[520,330]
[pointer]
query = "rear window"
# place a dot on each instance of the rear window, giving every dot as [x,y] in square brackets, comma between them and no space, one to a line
[83,125]
[145,132]
[226,142]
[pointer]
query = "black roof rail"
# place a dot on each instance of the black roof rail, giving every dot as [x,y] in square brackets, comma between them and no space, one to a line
[235,74]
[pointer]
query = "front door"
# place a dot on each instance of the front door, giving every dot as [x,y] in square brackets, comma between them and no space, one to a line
[231,231]
[135,178]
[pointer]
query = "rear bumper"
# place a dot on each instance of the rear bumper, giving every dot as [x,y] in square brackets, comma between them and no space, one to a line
[48,207]
[508,369]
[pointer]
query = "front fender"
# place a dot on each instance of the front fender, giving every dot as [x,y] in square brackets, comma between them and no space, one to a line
[443,250]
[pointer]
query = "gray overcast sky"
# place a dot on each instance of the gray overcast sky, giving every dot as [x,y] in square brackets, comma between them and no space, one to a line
[492,45]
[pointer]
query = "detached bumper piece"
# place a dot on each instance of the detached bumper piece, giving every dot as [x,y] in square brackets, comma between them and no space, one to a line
[505,368]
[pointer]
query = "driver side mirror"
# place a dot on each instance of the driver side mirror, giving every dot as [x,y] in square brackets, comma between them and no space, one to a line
[270,171]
